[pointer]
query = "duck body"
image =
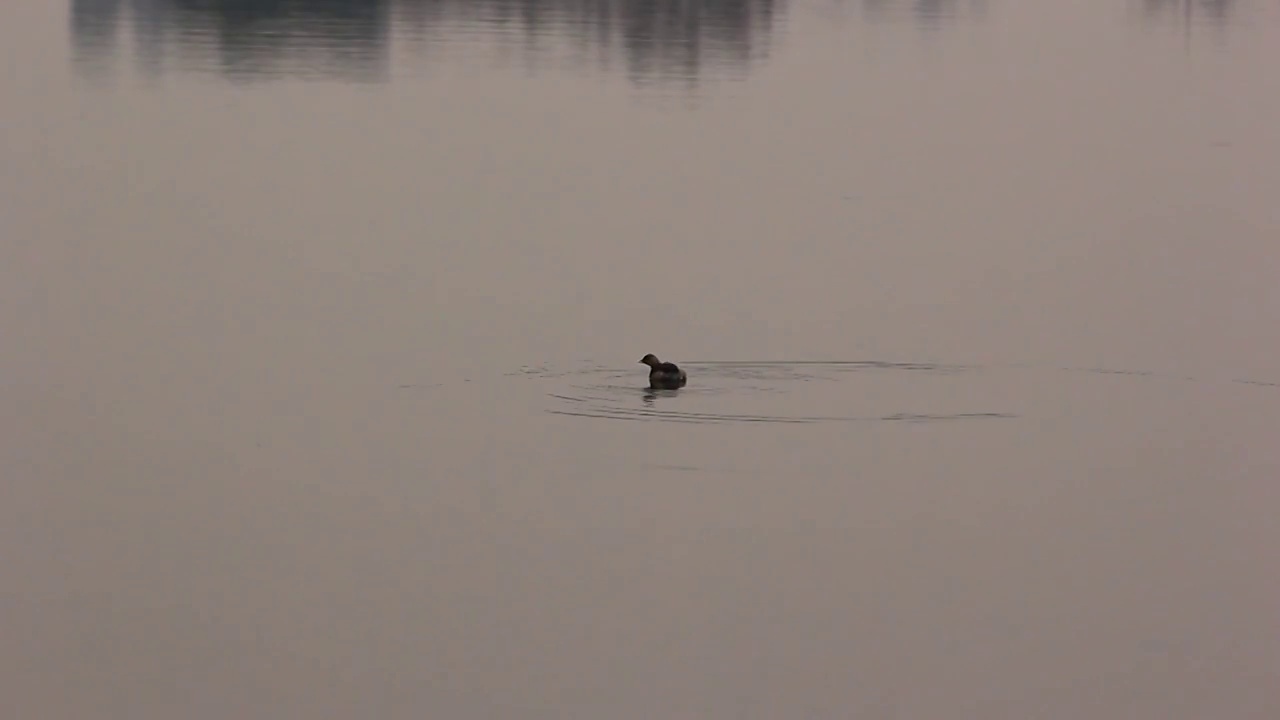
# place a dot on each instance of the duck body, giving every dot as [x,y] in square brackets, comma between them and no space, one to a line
[664,375]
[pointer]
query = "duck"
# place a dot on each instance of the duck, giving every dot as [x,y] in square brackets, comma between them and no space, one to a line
[664,375]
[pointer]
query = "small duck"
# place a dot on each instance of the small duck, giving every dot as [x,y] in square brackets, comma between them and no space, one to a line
[663,375]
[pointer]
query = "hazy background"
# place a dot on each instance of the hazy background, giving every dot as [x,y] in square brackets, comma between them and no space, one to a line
[319,329]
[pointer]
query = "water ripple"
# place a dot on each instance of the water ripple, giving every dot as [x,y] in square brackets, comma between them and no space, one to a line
[600,393]
[772,391]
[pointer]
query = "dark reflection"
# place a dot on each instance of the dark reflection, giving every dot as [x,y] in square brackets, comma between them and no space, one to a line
[1214,15]
[651,395]
[94,30]
[1212,11]
[650,38]
[926,13]
[352,38]
[242,38]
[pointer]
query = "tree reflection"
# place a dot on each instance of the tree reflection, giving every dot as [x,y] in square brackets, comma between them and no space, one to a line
[1217,11]
[241,38]
[351,38]
[94,31]
[926,13]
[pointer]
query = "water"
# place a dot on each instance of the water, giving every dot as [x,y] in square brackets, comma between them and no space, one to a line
[321,324]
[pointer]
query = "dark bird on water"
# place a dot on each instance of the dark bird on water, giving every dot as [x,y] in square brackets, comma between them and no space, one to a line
[663,375]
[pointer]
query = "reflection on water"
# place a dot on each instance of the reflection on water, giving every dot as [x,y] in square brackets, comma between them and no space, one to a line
[1213,11]
[240,38]
[925,13]
[1184,16]
[656,40]
[351,39]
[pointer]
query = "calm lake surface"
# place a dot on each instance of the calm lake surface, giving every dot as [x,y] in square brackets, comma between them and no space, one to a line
[321,324]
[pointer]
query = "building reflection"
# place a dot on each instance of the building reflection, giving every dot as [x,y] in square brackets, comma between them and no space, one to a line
[351,39]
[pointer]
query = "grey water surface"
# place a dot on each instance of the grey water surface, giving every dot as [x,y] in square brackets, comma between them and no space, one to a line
[320,321]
